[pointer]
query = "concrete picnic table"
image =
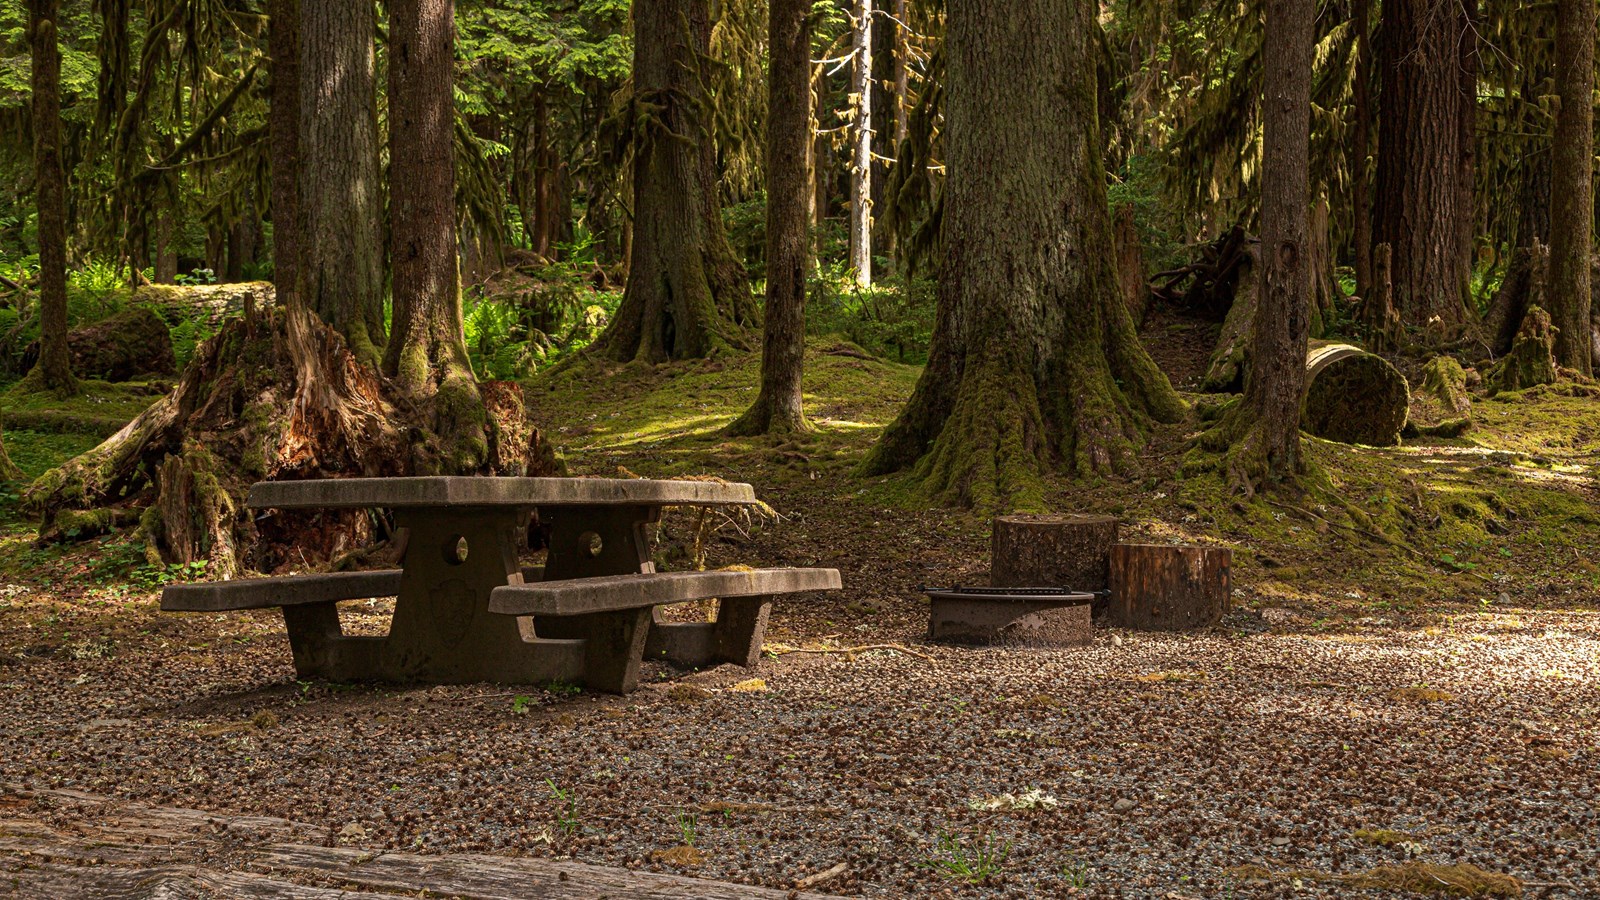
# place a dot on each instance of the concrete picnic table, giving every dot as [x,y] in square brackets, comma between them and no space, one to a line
[467,611]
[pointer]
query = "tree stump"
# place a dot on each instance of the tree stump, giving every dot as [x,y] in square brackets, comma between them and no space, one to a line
[1354,397]
[1157,587]
[1071,551]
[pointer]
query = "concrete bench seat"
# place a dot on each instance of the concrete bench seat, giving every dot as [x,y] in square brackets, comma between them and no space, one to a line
[617,614]
[281,590]
[581,596]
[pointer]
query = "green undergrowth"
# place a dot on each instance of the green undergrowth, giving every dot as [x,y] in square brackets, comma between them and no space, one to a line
[669,418]
[99,409]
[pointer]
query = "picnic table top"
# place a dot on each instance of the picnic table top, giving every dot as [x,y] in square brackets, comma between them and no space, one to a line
[481,490]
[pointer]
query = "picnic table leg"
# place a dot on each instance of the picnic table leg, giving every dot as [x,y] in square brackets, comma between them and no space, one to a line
[741,626]
[591,542]
[313,633]
[442,628]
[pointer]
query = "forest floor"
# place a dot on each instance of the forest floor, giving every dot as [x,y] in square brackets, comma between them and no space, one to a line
[1409,683]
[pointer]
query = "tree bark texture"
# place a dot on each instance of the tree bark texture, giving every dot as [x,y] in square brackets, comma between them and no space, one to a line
[686,295]
[54,369]
[1361,149]
[778,405]
[861,146]
[1270,450]
[340,275]
[1034,361]
[283,122]
[1160,588]
[1423,207]
[8,469]
[427,352]
[1572,185]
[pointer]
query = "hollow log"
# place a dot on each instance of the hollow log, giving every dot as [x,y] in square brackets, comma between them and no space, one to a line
[1157,587]
[1354,397]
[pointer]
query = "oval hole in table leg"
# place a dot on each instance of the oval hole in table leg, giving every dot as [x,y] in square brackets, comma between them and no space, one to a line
[590,543]
[455,550]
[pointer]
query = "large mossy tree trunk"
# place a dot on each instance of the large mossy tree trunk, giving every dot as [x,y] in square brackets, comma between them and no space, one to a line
[777,407]
[340,266]
[1035,364]
[53,371]
[427,353]
[687,295]
[1423,209]
[1572,185]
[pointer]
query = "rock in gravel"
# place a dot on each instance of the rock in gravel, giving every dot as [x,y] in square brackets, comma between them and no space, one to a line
[1126,804]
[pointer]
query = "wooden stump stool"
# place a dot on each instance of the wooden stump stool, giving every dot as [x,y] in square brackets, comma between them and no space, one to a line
[1071,551]
[1157,587]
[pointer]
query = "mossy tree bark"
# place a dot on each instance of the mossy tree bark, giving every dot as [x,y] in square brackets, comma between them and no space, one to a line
[777,407]
[53,371]
[687,295]
[1035,363]
[283,121]
[1423,209]
[1261,436]
[427,353]
[340,271]
[8,469]
[1572,184]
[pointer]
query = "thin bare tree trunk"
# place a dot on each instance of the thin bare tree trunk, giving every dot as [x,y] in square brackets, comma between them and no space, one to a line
[778,405]
[1571,193]
[861,147]
[283,41]
[54,368]
[1270,452]
[427,344]
[1361,152]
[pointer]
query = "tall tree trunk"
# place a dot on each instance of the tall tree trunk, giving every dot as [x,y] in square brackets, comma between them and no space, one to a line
[1571,188]
[283,119]
[778,405]
[542,230]
[166,248]
[53,371]
[1034,362]
[885,59]
[861,147]
[686,296]
[341,255]
[1423,207]
[1361,151]
[1268,452]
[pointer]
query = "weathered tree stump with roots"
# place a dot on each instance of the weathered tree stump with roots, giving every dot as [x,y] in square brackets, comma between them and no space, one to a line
[1157,587]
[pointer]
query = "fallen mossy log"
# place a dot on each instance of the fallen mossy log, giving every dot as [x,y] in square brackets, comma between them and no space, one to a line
[1354,397]
[130,345]
[283,398]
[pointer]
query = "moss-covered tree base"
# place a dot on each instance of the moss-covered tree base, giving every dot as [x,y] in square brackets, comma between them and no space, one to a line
[1531,360]
[284,400]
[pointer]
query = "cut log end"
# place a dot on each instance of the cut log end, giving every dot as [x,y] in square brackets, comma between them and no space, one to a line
[1354,397]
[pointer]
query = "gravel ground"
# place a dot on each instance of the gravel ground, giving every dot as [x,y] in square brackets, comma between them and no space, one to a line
[1162,764]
